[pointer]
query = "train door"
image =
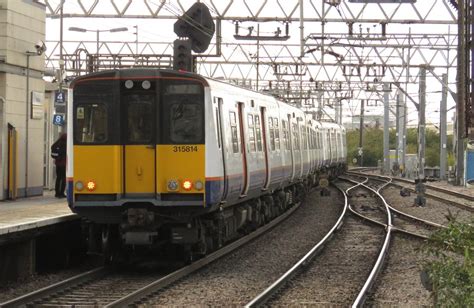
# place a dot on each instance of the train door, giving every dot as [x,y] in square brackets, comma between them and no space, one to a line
[291,147]
[221,134]
[300,140]
[243,148]
[329,143]
[139,150]
[265,149]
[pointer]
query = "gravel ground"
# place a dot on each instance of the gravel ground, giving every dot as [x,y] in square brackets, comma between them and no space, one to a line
[434,210]
[399,284]
[464,190]
[368,204]
[336,276]
[410,226]
[238,278]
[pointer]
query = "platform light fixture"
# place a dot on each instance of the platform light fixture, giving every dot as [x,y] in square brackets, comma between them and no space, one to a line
[98,31]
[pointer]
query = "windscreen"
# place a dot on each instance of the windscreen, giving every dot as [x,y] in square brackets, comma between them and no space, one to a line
[91,112]
[183,112]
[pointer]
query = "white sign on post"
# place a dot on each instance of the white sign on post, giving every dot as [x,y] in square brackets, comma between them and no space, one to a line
[37,109]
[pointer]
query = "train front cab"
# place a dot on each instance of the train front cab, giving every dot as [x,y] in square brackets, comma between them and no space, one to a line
[137,151]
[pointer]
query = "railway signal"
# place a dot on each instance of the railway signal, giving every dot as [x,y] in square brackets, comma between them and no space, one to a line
[182,57]
[197,24]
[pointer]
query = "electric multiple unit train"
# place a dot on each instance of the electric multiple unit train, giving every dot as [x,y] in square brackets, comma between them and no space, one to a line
[159,157]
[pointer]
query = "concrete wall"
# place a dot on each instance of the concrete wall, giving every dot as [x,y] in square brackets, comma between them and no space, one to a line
[22,25]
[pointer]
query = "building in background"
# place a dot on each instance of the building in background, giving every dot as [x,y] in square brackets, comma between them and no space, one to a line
[22,30]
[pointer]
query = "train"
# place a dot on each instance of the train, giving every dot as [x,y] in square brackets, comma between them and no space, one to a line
[160,158]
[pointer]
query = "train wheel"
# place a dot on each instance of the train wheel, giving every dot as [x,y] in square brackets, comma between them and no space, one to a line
[188,254]
[257,214]
[282,199]
[300,192]
[110,243]
[205,244]
[280,208]
[270,211]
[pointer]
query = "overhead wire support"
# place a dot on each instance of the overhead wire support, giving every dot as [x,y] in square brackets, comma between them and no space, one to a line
[249,37]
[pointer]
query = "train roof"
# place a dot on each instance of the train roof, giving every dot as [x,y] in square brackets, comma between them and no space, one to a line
[136,72]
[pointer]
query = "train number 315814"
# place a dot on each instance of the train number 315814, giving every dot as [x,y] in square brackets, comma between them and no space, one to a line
[185,148]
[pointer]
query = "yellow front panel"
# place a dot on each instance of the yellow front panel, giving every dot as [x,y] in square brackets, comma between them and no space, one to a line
[101,164]
[139,169]
[180,162]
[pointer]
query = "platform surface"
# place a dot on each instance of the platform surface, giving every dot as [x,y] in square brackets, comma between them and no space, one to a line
[35,212]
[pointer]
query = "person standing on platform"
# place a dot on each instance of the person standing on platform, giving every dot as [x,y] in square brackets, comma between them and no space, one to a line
[58,152]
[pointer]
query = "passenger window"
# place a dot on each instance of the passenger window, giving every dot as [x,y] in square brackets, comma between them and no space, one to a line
[277,133]
[304,133]
[233,130]
[218,128]
[91,123]
[296,141]
[258,132]
[272,134]
[251,128]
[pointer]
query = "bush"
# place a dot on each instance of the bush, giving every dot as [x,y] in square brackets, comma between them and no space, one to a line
[451,265]
[373,146]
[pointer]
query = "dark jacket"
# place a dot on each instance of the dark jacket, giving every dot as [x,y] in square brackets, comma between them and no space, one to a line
[58,151]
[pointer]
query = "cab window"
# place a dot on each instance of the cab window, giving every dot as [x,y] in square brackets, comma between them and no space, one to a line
[90,123]
[140,118]
[183,113]
[185,122]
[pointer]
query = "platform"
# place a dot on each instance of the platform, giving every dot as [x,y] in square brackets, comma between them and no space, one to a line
[30,228]
[33,213]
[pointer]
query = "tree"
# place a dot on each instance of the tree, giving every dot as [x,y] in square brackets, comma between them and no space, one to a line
[373,145]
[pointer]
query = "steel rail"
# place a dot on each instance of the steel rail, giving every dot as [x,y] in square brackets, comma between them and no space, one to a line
[434,188]
[150,288]
[361,297]
[55,288]
[263,297]
[394,228]
[439,189]
[406,215]
[153,287]
[403,214]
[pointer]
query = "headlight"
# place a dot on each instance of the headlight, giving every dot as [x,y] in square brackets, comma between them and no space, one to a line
[91,186]
[198,185]
[187,185]
[79,186]
[173,185]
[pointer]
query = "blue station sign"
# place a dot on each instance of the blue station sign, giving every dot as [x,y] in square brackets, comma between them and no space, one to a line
[60,98]
[58,119]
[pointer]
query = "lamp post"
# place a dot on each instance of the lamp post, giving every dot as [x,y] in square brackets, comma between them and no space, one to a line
[77,29]
[40,49]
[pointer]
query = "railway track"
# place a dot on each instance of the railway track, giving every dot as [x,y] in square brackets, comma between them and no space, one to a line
[237,278]
[108,288]
[342,274]
[401,221]
[400,282]
[457,199]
